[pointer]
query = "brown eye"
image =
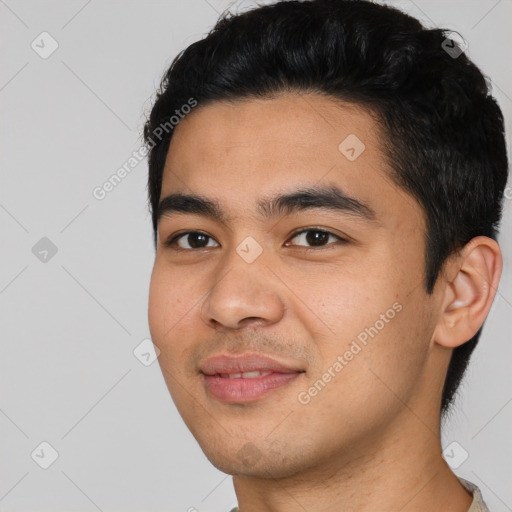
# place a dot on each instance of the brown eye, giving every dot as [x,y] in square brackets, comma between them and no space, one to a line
[316,237]
[194,239]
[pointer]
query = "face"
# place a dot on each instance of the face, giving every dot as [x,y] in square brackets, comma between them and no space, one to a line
[290,310]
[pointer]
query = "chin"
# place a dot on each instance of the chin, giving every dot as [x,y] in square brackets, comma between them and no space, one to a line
[256,461]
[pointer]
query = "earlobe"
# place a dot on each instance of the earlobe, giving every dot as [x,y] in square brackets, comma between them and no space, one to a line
[470,287]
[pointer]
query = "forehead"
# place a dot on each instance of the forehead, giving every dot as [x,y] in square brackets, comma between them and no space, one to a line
[290,128]
[241,151]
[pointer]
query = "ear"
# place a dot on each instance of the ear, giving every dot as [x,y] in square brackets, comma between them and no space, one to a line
[471,282]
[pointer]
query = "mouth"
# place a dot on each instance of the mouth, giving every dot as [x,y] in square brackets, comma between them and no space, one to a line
[247,377]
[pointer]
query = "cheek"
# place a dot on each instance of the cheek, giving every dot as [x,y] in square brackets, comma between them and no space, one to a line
[343,300]
[171,306]
[367,312]
[171,303]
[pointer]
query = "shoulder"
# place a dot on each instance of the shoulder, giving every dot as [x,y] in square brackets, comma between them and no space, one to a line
[478,503]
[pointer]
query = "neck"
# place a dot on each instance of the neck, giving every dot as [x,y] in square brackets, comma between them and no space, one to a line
[401,469]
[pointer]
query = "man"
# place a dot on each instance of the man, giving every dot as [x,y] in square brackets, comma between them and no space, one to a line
[315,369]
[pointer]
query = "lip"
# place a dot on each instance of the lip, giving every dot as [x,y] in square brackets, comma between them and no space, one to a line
[215,372]
[248,362]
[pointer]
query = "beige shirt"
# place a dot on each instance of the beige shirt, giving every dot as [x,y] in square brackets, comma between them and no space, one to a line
[477,505]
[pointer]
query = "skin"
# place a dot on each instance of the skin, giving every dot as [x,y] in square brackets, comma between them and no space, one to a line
[370,439]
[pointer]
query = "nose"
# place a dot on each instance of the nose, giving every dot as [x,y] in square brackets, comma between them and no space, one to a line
[242,296]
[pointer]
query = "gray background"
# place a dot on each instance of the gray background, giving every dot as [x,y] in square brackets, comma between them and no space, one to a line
[69,325]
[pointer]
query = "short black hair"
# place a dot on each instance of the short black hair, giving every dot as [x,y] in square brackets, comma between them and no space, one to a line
[444,132]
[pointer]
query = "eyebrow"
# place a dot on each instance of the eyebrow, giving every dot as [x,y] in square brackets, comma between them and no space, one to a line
[324,198]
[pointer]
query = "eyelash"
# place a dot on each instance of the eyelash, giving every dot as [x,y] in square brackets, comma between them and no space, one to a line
[174,238]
